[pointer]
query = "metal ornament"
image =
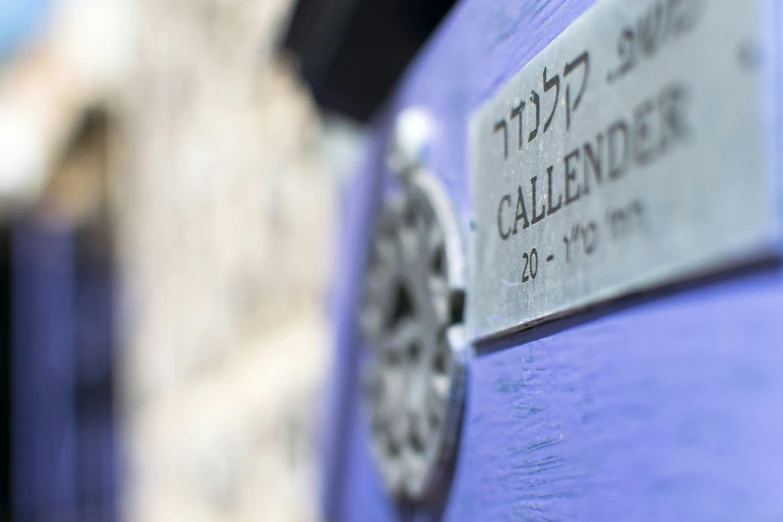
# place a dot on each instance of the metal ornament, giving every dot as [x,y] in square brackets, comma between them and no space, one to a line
[410,141]
[411,322]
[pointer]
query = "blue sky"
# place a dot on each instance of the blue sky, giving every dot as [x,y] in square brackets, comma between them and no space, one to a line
[19,19]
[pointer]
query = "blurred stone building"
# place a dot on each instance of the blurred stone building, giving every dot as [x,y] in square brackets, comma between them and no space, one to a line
[224,206]
[219,197]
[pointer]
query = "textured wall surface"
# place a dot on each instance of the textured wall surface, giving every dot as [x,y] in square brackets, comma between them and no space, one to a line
[224,212]
[663,407]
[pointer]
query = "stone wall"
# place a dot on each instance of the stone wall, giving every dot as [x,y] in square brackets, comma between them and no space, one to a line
[224,211]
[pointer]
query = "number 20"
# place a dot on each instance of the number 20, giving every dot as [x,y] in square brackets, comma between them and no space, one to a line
[531,262]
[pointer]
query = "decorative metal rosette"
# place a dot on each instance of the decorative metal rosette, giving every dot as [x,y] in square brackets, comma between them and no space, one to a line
[411,321]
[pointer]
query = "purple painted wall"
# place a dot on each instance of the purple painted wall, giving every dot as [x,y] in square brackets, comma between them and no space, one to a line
[667,406]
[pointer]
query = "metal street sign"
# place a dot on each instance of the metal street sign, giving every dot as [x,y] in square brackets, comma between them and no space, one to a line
[633,151]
